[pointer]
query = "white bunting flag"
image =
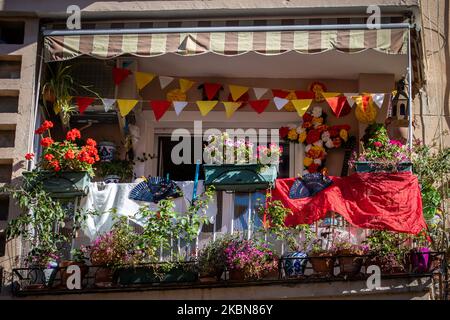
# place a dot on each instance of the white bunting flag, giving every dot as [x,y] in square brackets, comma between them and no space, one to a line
[165,81]
[179,106]
[280,102]
[349,97]
[108,104]
[259,92]
[378,98]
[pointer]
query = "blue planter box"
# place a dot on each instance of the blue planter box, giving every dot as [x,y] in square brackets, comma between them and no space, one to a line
[368,166]
[63,184]
[240,177]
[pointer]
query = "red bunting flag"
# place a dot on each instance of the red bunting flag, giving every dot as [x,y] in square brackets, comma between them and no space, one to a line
[160,107]
[339,105]
[280,93]
[120,74]
[211,89]
[83,103]
[304,94]
[259,105]
[365,101]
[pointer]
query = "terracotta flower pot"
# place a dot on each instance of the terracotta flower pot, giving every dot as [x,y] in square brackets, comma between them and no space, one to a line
[322,264]
[49,95]
[236,275]
[349,266]
[104,277]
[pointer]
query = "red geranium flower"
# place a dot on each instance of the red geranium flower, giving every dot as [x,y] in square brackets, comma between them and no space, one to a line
[29,156]
[313,168]
[44,127]
[46,142]
[73,134]
[307,117]
[55,165]
[91,142]
[283,132]
[49,157]
[69,155]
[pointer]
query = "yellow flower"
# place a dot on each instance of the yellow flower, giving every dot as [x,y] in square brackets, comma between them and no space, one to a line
[302,137]
[317,121]
[343,134]
[307,162]
[292,134]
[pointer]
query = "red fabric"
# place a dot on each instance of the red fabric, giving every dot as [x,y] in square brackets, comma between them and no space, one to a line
[339,105]
[387,201]
[119,74]
[83,103]
[259,105]
[160,107]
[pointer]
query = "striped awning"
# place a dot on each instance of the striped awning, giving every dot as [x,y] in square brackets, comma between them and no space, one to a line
[107,46]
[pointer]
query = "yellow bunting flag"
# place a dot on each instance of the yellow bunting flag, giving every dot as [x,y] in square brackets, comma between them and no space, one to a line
[327,95]
[206,106]
[143,79]
[185,84]
[125,106]
[237,91]
[301,105]
[231,107]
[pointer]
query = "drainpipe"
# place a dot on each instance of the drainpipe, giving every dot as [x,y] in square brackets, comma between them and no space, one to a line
[410,99]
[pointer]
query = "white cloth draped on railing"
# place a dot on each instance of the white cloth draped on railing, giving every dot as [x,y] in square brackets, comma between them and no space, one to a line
[104,197]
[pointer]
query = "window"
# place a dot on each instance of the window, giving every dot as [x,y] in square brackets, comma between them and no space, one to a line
[246,218]
[12,32]
[4,207]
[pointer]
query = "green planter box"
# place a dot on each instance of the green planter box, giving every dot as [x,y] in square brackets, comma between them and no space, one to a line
[63,184]
[240,177]
[369,166]
[143,275]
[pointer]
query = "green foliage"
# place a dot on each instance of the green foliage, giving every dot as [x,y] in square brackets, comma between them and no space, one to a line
[212,258]
[121,168]
[384,243]
[40,218]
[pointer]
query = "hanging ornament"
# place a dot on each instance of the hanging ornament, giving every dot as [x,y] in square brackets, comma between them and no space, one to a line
[176,95]
[318,88]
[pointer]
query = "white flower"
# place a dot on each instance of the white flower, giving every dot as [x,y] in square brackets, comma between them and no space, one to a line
[318,143]
[326,136]
[317,112]
[300,129]
[318,161]
[308,147]
[305,172]
[329,144]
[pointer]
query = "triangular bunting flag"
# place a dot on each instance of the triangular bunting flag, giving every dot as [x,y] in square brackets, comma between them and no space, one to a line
[83,103]
[125,106]
[237,91]
[378,98]
[159,107]
[280,102]
[339,105]
[231,107]
[120,74]
[259,92]
[350,98]
[206,106]
[301,105]
[279,93]
[108,104]
[259,105]
[165,81]
[305,94]
[179,106]
[327,95]
[143,79]
[185,84]
[211,89]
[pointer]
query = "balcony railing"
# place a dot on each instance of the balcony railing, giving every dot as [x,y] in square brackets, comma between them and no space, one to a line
[182,275]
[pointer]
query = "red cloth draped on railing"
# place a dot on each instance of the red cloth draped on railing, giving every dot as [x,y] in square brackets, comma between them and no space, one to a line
[387,201]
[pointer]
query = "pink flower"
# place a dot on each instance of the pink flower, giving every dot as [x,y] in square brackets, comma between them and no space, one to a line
[377,144]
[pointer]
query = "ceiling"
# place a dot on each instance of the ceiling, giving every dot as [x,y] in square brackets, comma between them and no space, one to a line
[327,65]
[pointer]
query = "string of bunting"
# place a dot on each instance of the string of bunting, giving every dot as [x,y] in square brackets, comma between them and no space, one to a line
[291,100]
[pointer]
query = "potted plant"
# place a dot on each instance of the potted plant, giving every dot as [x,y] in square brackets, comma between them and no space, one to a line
[115,171]
[59,89]
[322,260]
[388,251]
[350,257]
[66,167]
[232,165]
[107,151]
[79,258]
[380,154]
[212,259]
[247,259]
